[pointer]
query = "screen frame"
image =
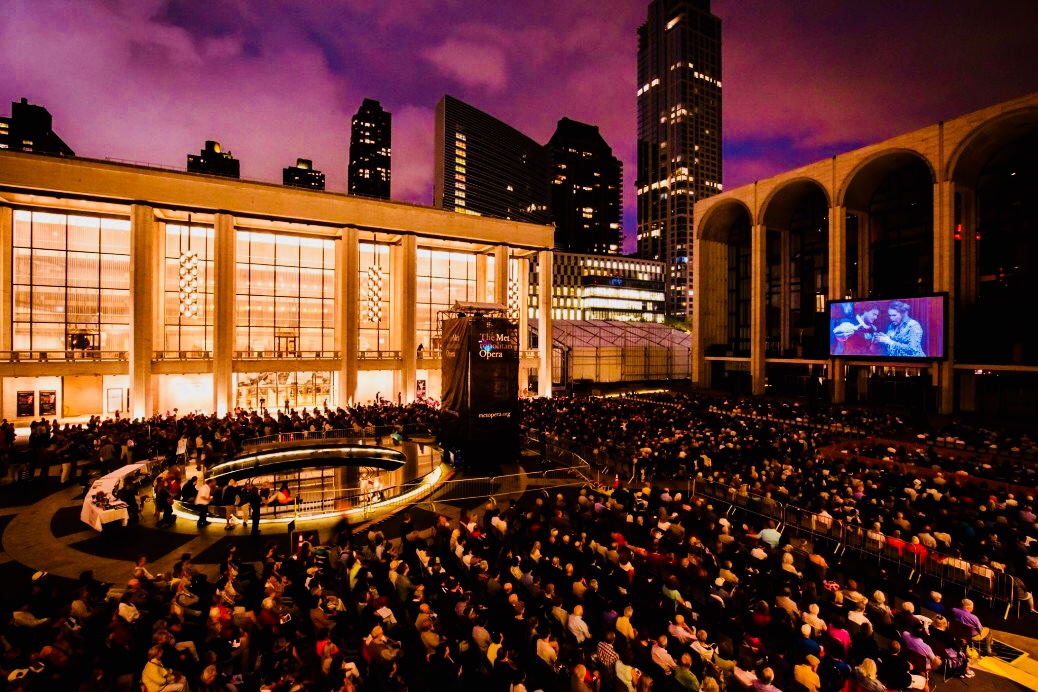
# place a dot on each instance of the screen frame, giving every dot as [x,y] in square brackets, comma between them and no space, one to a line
[944,295]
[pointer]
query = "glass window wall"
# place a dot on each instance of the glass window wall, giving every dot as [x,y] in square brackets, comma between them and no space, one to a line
[375,290]
[285,302]
[189,282]
[444,277]
[271,390]
[71,284]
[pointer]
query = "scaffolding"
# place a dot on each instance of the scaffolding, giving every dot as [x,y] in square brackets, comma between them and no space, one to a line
[605,351]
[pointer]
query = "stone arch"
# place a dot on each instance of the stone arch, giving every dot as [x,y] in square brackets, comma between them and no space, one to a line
[717,221]
[984,141]
[782,201]
[861,183]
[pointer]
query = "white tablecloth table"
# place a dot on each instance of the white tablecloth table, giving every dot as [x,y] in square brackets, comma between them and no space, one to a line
[97,517]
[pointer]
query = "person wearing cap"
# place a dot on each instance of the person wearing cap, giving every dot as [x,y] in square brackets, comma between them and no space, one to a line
[806,673]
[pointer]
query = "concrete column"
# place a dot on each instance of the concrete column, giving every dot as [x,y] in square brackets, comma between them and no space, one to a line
[524,321]
[544,259]
[944,280]
[142,308]
[405,270]
[482,292]
[347,315]
[785,281]
[500,276]
[837,289]
[758,294]
[864,260]
[6,290]
[223,319]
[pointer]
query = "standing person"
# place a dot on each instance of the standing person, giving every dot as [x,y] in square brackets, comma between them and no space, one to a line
[164,503]
[229,500]
[202,501]
[904,335]
[255,503]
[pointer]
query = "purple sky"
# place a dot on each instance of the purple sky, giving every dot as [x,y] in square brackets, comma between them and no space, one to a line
[150,80]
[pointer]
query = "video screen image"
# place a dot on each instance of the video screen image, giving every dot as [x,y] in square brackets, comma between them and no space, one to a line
[898,328]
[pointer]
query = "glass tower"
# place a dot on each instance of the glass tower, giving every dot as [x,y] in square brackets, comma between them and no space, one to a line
[679,135]
[371,151]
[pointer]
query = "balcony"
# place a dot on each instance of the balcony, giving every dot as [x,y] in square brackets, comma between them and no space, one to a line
[74,355]
[287,355]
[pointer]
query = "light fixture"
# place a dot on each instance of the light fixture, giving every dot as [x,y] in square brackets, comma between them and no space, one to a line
[189,283]
[374,289]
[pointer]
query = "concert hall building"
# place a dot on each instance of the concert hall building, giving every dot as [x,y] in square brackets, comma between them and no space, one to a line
[141,290]
[946,214]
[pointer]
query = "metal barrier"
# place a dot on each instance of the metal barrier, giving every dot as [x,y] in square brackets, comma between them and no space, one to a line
[369,432]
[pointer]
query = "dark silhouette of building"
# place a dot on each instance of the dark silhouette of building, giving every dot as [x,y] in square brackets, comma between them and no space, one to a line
[585,190]
[303,175]
[213,161]
[679,134]
[371,151]
[29,129]
[487,168]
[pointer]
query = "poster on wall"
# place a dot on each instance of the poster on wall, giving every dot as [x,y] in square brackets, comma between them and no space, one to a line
[115,400]
[27,404]
[419,389]
[48,403]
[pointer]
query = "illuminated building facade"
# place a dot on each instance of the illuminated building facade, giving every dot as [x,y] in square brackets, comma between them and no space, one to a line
[585,190]
[207,293]
[213,160]
[597,287]
[303,175]
[485,167]
[679,135]
[948,209]
[29,129]
[370,169]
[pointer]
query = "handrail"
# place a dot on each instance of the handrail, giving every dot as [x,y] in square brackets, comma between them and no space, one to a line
[182,355]
[378,355]
[44,355]
[370,431]
[283,355]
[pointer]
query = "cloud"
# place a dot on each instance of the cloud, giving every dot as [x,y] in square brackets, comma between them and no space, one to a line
[413,155]
[470,63]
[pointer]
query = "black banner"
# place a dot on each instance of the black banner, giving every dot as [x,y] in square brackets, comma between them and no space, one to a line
[481,385]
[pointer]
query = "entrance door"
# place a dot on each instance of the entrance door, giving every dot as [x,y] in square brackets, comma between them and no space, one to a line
[285,345]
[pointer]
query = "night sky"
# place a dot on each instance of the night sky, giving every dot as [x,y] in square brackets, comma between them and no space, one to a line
[150,80]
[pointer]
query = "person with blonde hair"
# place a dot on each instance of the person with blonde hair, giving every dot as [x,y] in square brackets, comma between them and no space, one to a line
[864,676]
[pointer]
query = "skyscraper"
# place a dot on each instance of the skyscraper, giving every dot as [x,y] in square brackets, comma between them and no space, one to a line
[585,190]
[679,134]
[486,167]
[371,151]
[213,161]
[29,129]
[303,175]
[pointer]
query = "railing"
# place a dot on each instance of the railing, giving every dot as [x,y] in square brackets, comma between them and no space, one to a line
[369,432]
[183,355]
[378,355]
[529,353]
[429,354]
[294,354]
[59,355]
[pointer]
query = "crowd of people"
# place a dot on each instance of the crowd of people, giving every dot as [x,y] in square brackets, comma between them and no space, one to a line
[629,587]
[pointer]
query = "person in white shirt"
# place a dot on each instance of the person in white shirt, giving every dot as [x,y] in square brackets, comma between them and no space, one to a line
[662,657]
[202,500]
[681,630]
[811,618]
[857,615]
[576,625]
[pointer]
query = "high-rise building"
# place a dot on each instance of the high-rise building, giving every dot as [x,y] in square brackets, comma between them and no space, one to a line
[213,161]
[585,190]
[371,151]
[679,134]
[303,175]
[597,287]
[29,129]
[486,167]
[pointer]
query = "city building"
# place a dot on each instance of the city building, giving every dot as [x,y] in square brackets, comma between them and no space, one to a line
[303,175]
[679,135]
[586,182]
[597,287]
[141,290]
[487,168]
[213,161]
[948,210]
[29,129]
[370,168]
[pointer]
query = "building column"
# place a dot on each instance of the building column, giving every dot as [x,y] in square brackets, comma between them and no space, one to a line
[404,260]
[944,281]
[544,269]
[500,276]
[482,294]
[6,290]
[223,319]
[142,308]
[347,316]
[837,279]
[785,282]
[524,321]
[758,306]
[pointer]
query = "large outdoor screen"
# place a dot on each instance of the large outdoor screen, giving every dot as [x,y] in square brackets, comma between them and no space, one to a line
[898,328]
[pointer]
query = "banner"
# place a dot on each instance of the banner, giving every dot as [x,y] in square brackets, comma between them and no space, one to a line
[480,403]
